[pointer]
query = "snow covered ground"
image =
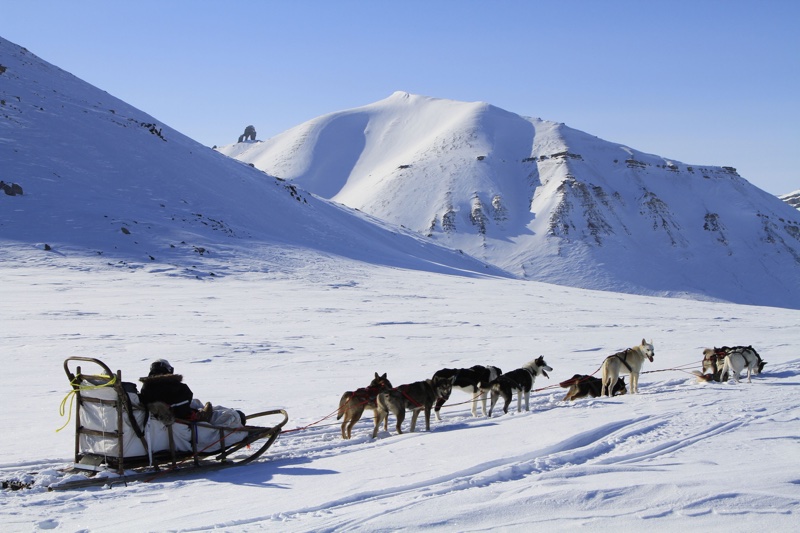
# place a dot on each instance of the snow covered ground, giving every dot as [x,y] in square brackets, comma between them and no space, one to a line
[703,457]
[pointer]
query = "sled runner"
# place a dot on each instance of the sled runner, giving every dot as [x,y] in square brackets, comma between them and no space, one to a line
[118,440]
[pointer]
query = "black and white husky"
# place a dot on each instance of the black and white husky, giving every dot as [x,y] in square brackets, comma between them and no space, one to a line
[519,381]
[474,381]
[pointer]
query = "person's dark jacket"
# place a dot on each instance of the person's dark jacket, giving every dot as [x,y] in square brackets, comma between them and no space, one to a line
[170,389]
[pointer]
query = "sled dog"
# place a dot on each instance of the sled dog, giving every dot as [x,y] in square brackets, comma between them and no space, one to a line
[474,381]
[581,386]
[353,403]
[734,361]
[417,396]
[712,365]
[629,361]
[714,362]
[519,381]
[713,359]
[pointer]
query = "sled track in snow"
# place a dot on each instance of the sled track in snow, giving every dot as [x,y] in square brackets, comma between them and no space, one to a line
[627,445]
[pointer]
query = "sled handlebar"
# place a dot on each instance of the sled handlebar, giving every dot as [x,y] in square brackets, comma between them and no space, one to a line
[97,362]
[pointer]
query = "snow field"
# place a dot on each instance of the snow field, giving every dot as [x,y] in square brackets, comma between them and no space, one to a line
[708,456]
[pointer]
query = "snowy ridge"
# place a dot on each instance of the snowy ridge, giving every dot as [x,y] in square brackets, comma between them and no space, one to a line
[545,201]
[106,182]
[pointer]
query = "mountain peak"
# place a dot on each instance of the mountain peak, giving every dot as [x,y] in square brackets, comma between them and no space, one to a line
[546,201]
[400,95]
[106,183]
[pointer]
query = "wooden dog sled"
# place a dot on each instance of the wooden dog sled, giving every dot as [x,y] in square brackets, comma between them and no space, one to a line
[117,440]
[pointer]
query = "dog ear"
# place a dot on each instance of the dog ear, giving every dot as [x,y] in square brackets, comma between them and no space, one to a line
[377,376]
[644,341]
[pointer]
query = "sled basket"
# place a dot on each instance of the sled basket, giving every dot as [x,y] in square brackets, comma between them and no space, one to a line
[115,432]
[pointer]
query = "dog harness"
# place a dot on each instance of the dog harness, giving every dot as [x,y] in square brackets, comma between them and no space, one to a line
[623,359]
[403,390]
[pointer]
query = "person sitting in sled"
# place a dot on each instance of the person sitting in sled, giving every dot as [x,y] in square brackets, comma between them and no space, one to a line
[167,397]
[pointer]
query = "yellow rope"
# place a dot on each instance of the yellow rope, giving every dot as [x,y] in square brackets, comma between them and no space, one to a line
[71,396]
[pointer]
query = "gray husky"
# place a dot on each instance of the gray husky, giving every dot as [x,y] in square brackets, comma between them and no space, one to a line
[418,396]
[353,403]
[519,381]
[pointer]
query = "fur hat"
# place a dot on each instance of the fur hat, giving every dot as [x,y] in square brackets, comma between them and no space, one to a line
[160,366]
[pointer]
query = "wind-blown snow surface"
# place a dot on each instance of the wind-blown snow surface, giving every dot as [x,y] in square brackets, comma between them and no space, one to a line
[701,457]
[103,179]
[545,201]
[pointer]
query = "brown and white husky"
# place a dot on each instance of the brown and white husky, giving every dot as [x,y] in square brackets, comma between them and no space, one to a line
[353,403]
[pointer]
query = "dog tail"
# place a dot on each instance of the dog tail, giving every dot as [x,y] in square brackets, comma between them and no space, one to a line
[702,377]
[381,403]
[343,403]
[727,369]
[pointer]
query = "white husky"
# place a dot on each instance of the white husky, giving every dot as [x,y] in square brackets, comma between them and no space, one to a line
[714,368]
[737,360]
[629,361]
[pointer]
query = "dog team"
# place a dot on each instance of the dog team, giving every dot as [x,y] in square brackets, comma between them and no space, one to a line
[490,383]
[719,364]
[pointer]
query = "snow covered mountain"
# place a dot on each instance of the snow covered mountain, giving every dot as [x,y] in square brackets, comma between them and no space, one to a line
[99,178]
[545,201]
[793,199]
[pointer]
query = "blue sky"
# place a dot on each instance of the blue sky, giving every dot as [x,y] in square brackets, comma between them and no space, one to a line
[709,82]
